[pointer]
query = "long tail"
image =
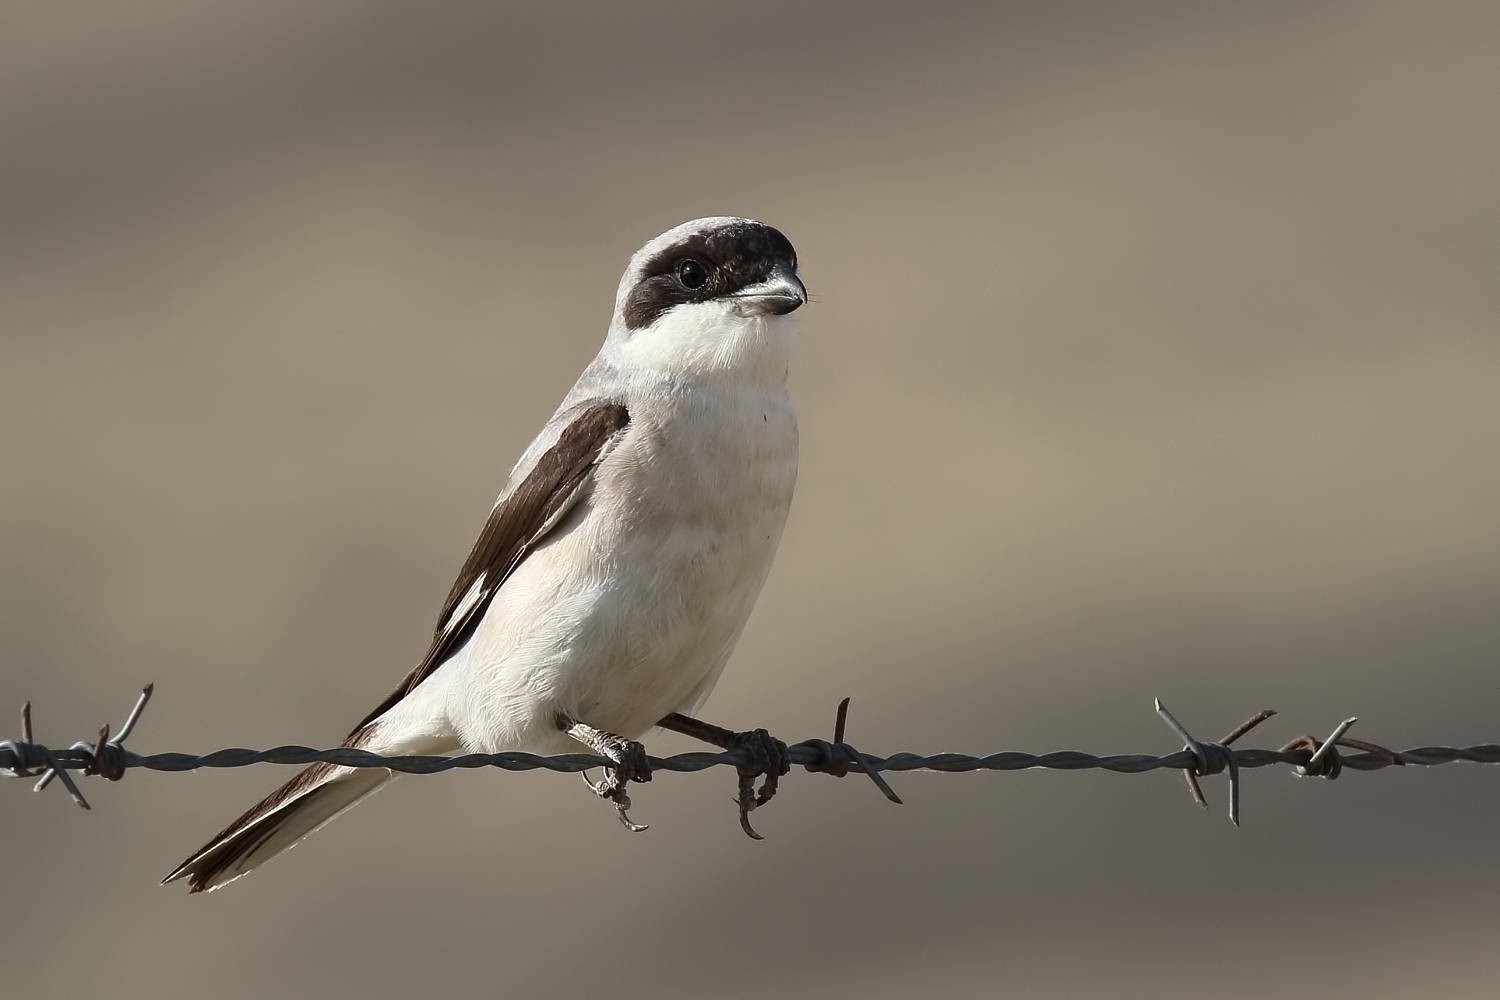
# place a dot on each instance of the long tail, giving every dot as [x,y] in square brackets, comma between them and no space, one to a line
[302,805]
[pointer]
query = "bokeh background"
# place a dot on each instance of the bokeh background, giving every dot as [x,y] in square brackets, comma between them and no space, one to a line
[1155,350]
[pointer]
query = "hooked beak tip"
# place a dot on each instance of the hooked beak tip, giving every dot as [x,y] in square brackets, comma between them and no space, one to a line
[783,293]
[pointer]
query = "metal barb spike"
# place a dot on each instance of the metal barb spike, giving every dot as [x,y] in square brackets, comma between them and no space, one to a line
[135,713]
[1248,725]
[54,767]
[856,758]
[1222,757]
[1328,744]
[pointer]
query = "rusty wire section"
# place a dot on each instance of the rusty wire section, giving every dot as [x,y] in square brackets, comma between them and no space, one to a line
[1310,756]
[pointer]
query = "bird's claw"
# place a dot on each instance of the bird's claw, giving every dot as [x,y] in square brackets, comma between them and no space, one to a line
[765,756]
[630,764]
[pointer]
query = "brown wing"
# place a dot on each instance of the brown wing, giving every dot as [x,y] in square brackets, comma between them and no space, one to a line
[521,519]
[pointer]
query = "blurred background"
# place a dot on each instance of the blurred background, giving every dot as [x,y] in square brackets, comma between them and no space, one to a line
[1153,351]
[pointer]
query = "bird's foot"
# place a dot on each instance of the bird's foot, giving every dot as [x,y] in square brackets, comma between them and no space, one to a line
[766,757]
[629,764]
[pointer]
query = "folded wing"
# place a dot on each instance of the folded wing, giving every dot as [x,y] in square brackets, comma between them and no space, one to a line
[524,515]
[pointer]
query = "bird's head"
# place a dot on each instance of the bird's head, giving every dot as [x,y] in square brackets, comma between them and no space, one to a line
[712,296]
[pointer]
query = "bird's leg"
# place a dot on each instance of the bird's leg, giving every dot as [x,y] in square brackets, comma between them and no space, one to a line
[767,756]
[630,764]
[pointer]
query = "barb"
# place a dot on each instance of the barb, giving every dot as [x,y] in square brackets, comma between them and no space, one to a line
[1308,755]
[1211,758]
[31,759]
[838,755]
[107,755]
[1326,761]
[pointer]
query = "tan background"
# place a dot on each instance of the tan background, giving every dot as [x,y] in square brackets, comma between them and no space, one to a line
[1153,351]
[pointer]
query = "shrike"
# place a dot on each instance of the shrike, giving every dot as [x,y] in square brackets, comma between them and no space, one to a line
[622,559]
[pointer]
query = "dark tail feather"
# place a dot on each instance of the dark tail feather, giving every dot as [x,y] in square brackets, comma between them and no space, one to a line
[302,805]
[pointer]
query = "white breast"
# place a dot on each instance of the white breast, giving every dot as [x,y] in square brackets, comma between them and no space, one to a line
[631,610]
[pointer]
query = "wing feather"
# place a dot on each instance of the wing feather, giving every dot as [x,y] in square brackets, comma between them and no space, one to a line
[524,516]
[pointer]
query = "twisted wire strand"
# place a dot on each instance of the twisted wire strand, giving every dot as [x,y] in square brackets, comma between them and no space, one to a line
[815,755]
[1310,756]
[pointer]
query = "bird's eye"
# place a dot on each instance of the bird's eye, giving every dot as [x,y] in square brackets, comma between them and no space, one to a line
[691,273]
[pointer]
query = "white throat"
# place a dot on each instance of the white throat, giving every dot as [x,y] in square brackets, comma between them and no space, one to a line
[708,341]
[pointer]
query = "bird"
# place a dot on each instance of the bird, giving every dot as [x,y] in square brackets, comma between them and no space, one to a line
[622,559]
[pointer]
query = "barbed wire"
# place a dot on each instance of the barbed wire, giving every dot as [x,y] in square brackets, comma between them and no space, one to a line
[1310,756]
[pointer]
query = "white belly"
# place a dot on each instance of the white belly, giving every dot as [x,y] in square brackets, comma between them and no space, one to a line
[631,609]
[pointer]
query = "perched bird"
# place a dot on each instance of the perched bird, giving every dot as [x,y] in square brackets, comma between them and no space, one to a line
[622,558]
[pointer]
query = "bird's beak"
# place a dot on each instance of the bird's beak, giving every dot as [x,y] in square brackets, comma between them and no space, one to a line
[778,295]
